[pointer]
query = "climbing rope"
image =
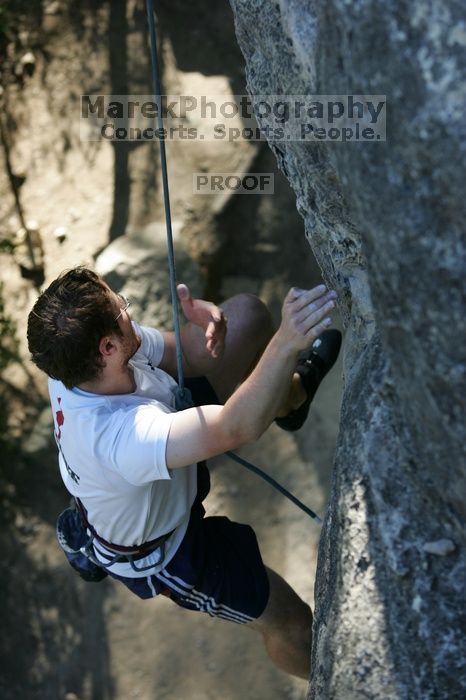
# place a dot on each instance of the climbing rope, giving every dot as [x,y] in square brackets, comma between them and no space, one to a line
[275,484]
[183,395]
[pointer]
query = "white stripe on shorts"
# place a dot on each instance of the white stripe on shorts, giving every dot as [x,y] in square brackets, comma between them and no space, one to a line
[202,601]
[151,586]
[207,603]
[212,601]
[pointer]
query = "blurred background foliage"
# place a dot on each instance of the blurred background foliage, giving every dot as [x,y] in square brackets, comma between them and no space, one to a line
[8,353]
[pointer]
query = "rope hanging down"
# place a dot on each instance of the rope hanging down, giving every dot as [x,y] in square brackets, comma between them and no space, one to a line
[183,395]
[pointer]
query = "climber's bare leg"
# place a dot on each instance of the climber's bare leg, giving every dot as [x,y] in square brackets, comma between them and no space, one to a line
[250,327]
[286,627]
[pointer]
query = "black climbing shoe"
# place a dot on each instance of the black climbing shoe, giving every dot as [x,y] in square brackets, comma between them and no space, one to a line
[313,365]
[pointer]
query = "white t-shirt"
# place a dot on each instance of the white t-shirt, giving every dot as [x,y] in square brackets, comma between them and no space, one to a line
[112,457]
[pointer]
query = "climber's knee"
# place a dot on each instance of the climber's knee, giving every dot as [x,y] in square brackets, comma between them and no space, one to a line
[252,315]
[249,329]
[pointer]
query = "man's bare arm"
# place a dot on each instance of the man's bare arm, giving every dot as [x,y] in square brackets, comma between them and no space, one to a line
[200,433]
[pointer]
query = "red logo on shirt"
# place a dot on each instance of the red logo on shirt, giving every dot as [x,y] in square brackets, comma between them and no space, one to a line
[60,420]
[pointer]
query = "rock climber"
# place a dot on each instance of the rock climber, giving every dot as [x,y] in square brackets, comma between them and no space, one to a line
[136,465]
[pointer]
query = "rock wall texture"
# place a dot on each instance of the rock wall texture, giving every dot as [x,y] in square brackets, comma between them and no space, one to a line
[386,222]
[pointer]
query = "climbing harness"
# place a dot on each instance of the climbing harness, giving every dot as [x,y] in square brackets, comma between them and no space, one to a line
[79,540]
[117,552]
[182,394]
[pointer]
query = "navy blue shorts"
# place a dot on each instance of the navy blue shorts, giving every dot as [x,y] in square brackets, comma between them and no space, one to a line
[218,567]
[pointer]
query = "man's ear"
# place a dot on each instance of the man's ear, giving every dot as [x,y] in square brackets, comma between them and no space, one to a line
[106,346]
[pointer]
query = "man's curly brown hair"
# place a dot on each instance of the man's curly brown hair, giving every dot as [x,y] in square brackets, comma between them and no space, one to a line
[66,324]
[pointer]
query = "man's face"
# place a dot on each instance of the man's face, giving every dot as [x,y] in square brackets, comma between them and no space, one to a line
[130,342]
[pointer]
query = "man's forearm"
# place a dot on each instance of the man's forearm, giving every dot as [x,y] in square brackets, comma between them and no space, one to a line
[257,402]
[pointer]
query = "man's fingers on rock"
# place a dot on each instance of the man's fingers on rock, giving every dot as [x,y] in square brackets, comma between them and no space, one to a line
[313,313]
[296,293]
[305,297]
[315,297]
[316,305]
[316,330]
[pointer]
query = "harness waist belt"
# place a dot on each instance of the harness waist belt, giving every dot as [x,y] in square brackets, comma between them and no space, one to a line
[138,551]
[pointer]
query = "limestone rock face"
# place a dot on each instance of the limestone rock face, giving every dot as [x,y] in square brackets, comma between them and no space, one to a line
[386,222]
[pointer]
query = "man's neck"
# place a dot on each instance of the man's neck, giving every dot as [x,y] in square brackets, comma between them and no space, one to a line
[110,382]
